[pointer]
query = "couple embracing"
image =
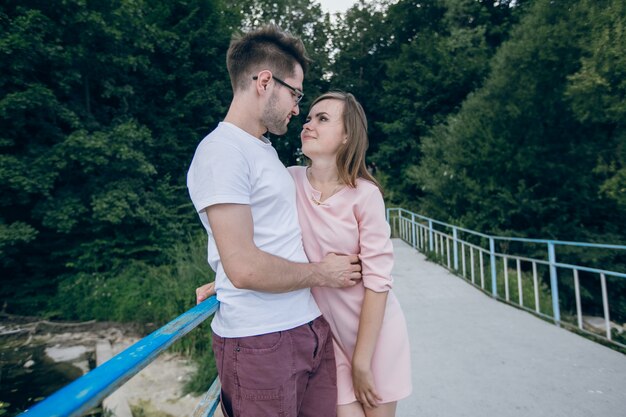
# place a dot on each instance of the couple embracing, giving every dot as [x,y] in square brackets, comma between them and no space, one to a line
[307,323]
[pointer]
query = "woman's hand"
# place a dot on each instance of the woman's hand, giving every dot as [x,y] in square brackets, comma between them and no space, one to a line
[204,292]
[364,389]
[372,313]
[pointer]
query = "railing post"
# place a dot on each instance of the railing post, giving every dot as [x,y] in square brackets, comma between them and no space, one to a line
[579,313]
[413,229]
[430,235]
[554,286]
[605,306]
[396,222]
[455,251]
[492,252]
[208,404]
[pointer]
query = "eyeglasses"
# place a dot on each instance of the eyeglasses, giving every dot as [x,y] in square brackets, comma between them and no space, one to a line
[297,94]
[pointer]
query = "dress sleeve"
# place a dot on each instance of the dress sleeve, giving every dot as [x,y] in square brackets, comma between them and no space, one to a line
[376,248]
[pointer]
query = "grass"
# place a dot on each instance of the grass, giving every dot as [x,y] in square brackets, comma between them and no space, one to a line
[153,296]
[146,409]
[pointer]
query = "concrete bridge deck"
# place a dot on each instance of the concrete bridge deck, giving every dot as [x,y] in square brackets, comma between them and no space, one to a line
[477,357]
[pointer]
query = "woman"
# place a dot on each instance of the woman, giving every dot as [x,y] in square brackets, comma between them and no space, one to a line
[341,210]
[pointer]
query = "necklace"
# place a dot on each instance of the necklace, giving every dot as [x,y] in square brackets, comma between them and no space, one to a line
[333,191]
[320,202]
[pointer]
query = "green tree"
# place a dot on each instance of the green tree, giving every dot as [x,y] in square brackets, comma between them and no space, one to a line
[362,41]
[101,107]
[535,151]
[441,61]
[596,93]
[516,152]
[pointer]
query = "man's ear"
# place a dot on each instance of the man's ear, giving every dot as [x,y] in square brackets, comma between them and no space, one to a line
[263,78]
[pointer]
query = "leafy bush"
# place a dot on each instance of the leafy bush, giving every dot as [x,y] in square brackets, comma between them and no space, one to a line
[148,294]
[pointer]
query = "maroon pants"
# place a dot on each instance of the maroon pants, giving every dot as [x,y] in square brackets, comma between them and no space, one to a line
[288,374]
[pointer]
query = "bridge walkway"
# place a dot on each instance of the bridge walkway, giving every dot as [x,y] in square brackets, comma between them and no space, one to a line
[477,357]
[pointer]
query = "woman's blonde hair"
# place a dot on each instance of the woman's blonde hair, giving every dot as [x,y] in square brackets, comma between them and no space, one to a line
[351,157]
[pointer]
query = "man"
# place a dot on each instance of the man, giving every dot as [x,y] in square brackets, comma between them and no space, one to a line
[272,347]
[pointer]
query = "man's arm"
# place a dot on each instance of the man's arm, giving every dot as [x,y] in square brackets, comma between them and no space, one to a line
[248,267]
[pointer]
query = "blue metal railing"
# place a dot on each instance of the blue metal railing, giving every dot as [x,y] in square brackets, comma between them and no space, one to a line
[88,391]
[92,388]
[426,234]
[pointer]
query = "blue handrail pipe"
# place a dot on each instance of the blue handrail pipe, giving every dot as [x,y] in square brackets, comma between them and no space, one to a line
[92,388]
[442,239]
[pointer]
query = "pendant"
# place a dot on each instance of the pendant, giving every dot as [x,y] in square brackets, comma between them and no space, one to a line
[316,201]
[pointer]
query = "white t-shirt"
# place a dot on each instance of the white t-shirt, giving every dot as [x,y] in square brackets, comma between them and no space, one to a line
[232,166]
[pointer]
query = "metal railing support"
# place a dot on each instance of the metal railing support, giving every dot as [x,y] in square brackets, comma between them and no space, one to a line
[413,230]
[579,314]
[605,306]
[505,266]
[554,285]
[207,406]
[492,256]
[455,250]
[430,234]
[520,293]
[536,287]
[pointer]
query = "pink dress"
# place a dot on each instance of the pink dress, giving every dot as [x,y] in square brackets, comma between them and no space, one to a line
[352,221]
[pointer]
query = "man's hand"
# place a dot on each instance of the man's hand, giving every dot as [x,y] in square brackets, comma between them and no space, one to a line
[204,292]
[248,267]
[339,271]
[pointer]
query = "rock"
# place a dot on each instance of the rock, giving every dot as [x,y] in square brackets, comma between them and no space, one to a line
[598,324]
[65,354]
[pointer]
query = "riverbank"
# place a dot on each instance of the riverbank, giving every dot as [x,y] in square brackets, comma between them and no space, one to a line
[37,357]
[157,391]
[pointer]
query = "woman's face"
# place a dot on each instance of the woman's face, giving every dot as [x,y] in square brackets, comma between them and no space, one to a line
[323,132]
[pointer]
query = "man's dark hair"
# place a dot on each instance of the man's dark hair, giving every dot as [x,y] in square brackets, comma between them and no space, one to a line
[267,47]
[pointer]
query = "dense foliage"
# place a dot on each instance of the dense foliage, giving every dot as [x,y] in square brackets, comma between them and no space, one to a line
[102,104]
[500,115]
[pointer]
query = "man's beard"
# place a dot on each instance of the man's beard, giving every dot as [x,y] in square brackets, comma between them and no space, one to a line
[274,122]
